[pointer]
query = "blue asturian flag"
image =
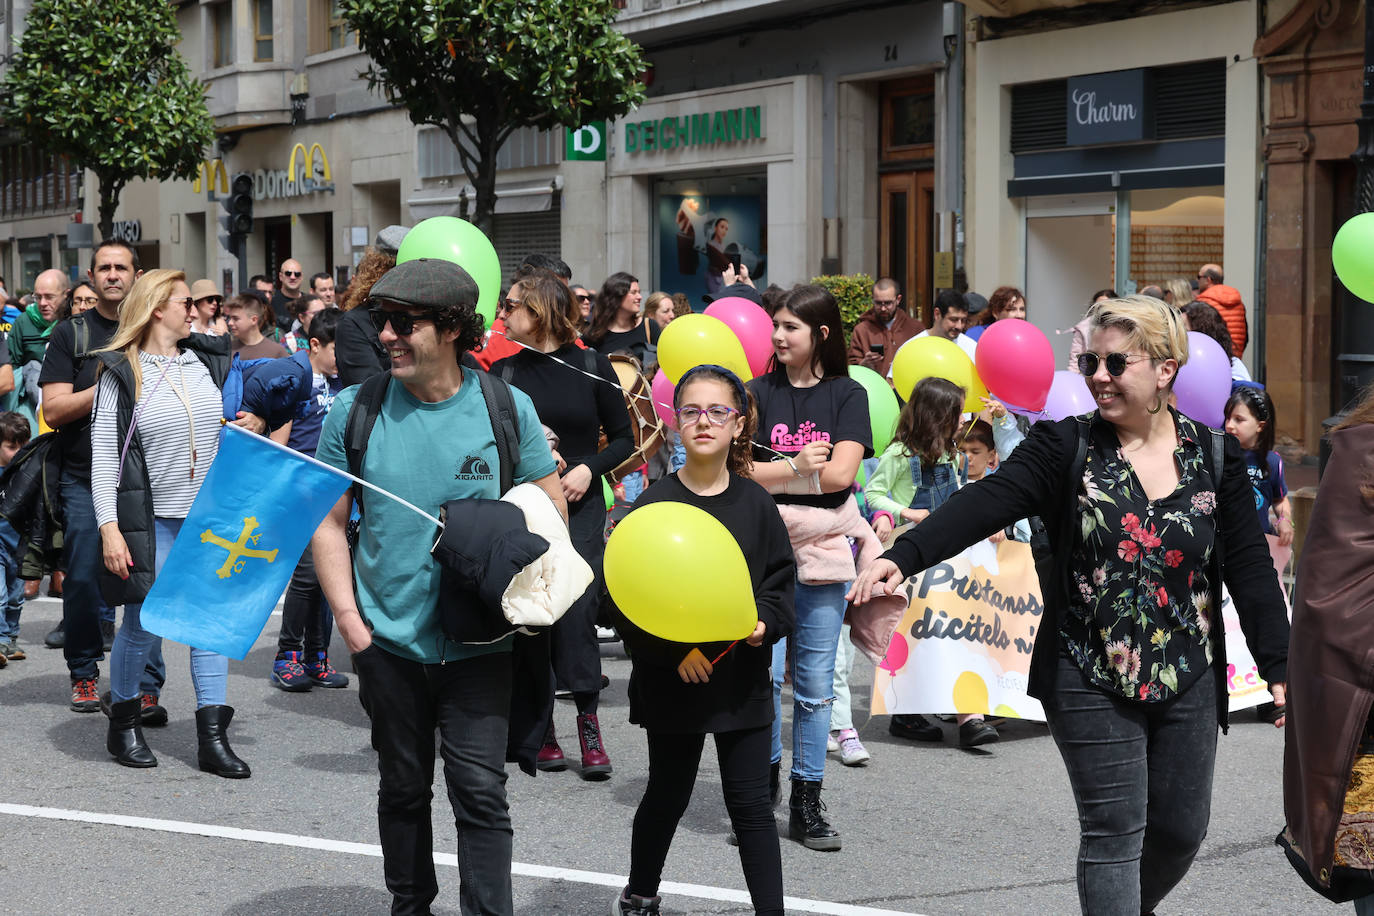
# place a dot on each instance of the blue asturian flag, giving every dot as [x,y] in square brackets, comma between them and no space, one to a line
[254,516]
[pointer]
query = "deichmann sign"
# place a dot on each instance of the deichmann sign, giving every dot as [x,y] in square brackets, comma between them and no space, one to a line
[587,143]
[1109,108]
[305,176]
[733,125]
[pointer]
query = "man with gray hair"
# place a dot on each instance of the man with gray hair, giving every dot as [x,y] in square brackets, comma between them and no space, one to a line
[28,338]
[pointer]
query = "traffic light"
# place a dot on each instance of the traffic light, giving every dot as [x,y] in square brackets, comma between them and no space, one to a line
[241,204]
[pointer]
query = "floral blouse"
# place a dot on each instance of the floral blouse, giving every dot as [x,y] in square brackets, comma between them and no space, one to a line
[1140,621]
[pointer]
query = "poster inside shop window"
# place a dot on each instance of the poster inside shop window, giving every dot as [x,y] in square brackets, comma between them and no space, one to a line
[699,236]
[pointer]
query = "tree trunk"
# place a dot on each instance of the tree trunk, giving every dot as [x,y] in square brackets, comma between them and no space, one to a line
[484,210]
[110,189]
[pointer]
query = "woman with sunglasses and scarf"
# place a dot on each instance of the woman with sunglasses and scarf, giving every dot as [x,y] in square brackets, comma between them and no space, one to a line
[557,375]
[154,434]
[1130,657]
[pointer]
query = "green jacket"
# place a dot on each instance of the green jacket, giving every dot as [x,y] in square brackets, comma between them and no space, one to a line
[28,338]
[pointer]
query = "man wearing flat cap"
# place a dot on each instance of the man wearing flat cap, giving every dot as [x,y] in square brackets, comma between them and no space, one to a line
[432,441]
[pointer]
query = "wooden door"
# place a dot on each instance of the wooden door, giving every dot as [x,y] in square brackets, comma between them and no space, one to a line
[906,233]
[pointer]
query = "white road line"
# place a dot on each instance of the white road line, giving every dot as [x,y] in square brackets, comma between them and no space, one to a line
[601,879]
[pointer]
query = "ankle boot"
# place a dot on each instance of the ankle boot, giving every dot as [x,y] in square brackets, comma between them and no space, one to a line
[551,759]
[212,733]
[595,764]
[124,739]
[808,822]
[775,783]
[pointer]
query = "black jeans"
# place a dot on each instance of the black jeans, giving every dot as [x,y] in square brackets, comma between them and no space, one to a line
[673,761]
[1142,777]
[306,620]
[469,702]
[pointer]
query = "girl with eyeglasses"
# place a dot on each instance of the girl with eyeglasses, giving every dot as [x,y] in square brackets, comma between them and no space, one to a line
[679,694]
[1147,513]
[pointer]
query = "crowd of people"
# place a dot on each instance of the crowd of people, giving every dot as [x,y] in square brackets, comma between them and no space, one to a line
[132,370]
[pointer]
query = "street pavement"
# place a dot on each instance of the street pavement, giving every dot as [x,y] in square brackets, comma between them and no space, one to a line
[927,829]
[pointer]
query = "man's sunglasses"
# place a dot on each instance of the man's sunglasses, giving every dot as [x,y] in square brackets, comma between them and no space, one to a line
[1116,363]
[403,323]
[291,273]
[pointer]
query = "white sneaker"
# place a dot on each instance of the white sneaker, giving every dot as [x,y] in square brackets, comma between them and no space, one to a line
[852,751]
[606,634]
[832,743]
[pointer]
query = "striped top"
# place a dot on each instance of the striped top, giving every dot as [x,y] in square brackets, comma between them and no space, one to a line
[162,427]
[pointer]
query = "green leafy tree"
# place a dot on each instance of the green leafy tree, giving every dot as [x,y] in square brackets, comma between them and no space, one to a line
[481,69]
[853,293]
[101,82]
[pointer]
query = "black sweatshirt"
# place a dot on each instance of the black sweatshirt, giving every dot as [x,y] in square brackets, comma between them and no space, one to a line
[739,694]
[575,407]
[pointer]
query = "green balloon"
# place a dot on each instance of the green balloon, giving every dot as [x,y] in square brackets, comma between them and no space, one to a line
[449,238]
[882,405]
[1352,255]
[608,494]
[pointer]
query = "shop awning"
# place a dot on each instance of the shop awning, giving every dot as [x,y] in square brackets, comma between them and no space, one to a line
[1174,164]
[525,197]
[1005,9]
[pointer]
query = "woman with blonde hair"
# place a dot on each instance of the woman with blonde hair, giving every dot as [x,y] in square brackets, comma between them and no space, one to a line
[154,434]
[1178,292]
[1130,655]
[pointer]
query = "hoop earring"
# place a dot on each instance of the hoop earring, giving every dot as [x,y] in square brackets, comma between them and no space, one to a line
[1159,405]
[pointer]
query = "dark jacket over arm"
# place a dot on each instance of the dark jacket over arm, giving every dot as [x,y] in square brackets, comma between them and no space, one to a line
[358,352]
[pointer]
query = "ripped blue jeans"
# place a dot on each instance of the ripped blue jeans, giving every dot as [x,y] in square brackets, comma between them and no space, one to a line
[820,613]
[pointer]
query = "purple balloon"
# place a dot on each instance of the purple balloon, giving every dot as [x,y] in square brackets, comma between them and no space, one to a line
[1069,396]
[1204,382]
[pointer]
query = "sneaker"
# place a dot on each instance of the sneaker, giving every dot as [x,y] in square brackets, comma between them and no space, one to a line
[10,651]
[56,638]
[107,634]
[852,751]
[606,634]
[150,711]
[289,674]
[832,742]
[976,732]
[323,674]
[914,728]
[627,904]
[85,695]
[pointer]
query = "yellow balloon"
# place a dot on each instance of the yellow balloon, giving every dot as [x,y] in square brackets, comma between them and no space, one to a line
[696,339]
[970,694]
[924,357]
[43,426]
[678,574]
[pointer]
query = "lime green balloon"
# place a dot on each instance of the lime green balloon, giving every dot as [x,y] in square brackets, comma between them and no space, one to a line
[1352,255]
[608,494]
[882,405]
[449,238]
[678,573]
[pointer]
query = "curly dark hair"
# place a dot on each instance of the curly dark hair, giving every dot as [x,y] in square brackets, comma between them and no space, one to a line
[471,326]
[1001,297]
[370,268]
[1205,319]
[740,460]
[930,420]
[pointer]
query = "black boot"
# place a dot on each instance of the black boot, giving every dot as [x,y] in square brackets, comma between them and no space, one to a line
[808,822]
[124,740]
[215,755]
[775,783]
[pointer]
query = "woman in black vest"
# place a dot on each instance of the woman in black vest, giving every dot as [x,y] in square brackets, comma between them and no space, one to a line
[154,435]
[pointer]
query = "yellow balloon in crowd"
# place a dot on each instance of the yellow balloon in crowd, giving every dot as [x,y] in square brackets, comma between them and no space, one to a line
[696,339]
[43,426]
[678,574]
[940,357]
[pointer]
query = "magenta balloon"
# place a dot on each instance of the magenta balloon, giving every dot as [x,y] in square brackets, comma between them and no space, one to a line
[1016,362]
[751,325]
[897,654]
[661,390]
[1204,382]
[1069,396]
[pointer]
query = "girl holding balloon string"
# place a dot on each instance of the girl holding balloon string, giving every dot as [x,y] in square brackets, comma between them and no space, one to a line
[679,694]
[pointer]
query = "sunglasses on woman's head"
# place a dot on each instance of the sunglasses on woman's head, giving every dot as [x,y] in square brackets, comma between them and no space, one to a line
[1116,363]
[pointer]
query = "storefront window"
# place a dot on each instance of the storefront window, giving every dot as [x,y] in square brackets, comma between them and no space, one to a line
[706,225]
[34,257]
[1173,232]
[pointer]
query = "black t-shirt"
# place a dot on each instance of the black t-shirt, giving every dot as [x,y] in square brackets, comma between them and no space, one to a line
[575,407]
[282,308]
[60,365]
[834,410]
[635,341]
[740,693]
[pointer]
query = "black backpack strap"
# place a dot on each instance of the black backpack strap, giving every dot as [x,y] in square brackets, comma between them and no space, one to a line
[589,360]
[1218,455]
[362,416]
[507,373]
[504,425]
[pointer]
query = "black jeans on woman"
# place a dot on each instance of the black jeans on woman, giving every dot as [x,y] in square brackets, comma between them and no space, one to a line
[673,761]
[306,621]
[576,654]
[1142,777]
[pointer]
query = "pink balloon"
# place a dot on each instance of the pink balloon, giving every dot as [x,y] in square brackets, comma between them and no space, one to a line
[661,390]
[751,325]
[1204,382]
[1016,362]
[897,653]
[1069,395]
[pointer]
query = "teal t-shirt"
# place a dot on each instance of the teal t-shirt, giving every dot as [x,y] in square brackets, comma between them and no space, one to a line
[427,454]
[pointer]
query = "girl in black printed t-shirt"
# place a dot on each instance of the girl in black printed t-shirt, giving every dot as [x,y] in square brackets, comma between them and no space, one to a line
[814,419]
